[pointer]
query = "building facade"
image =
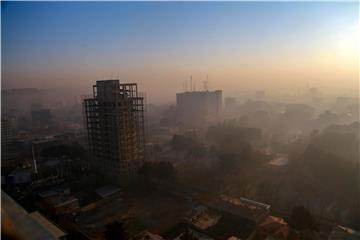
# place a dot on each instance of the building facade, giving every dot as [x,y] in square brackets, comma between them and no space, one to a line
[9,152]
[41,118]
[114,119]
[198,107]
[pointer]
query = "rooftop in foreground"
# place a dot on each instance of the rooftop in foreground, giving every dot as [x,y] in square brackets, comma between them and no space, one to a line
[31,226]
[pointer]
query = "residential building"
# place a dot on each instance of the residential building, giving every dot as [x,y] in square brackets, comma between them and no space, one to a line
[230,103]
[40,117]
[146,235]
[248,209]
[18,223]
[273,228]
[198,107]
[8,142]
[202,217]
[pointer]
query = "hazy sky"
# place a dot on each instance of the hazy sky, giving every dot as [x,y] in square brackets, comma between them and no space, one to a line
[258,45]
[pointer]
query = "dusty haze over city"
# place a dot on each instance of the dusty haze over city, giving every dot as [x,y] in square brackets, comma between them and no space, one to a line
[280,47]
[180,120]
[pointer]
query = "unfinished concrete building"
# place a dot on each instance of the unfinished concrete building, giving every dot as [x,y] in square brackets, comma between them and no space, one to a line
[115,126]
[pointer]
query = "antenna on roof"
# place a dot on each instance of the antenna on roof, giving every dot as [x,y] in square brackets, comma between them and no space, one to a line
[191,84]
[206,86]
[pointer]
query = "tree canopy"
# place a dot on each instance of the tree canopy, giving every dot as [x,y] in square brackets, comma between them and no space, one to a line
[232,139]
[157,170]
[187,235]
[301,219]
[115,231]
[70,150]
[190,144]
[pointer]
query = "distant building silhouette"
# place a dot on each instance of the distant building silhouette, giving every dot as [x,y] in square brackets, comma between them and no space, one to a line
[230,103]
[40,117]
[115,126]
[7,132]
[8,138]
[197,107]
[260,94]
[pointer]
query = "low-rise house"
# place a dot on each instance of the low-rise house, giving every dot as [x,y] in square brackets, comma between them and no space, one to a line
[202,218]
[194,233]
[244,208]
[273,228]
[58,202]
[146,235]
[16,221]
[107,191]
[20,176]
[62,204]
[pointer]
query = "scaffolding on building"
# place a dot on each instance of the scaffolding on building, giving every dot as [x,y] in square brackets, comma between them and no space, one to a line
[114,119]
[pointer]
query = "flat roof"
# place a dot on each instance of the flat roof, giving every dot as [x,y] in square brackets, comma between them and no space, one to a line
[48,193]
[199,92]
[146,235]
[49,226]
[107,80]
[20,171]
[107,190]
[28,226]
[58,201]
[46,140]
[241,207]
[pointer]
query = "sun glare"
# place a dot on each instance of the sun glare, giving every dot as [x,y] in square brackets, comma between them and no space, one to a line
[348,42]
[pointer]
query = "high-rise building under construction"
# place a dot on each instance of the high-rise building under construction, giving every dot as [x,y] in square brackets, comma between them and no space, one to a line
[114,119]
